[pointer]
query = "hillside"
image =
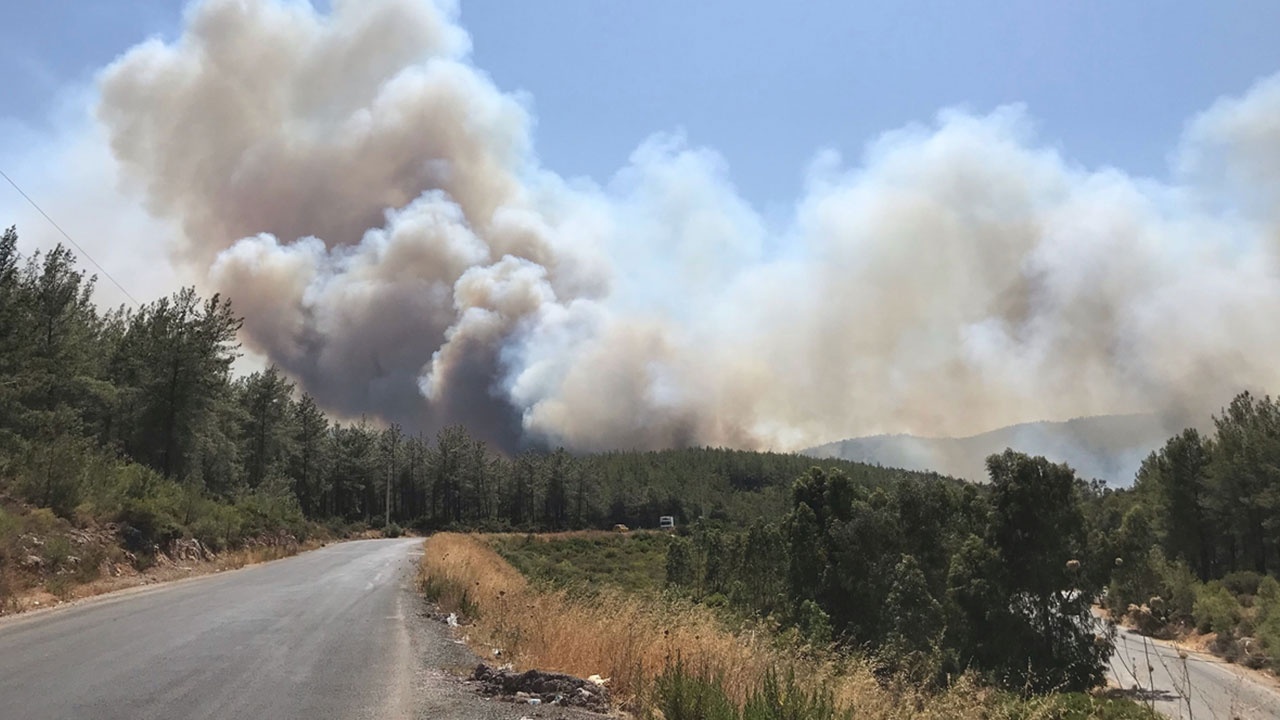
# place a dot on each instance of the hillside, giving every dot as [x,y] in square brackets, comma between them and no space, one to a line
[1108,447]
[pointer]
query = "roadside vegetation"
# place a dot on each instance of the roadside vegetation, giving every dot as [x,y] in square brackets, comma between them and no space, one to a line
[670,657]
[1195,544]
[931,581]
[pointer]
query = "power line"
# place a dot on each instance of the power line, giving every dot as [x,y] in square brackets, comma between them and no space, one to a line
[74,244]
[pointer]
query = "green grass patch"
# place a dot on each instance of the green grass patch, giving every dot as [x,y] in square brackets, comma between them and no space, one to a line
[634,561]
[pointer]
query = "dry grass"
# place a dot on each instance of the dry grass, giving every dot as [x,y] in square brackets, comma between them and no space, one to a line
[264,553]
[631,639]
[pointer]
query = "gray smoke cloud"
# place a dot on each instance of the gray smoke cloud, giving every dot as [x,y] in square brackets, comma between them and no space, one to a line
[374,206]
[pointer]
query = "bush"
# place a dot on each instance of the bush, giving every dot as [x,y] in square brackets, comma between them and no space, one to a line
[41,521]
[1216,609]
[1153,576]
[271,509]
[56,552]
[716,600]
[9,532]
[1267,600]
[448,594]
[680,568]
[146,524]
[60,586]
[113,482]
[683,693]
[783,698]
[7,600]
[1242,582]
[1267,619]
[90,564]
[393,531]
[814,623]
[1179,592]
[218,527]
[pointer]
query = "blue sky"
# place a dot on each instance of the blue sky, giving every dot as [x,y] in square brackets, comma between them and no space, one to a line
[769,84]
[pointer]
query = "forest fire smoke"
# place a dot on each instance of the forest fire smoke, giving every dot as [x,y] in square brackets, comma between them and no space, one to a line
[373,205]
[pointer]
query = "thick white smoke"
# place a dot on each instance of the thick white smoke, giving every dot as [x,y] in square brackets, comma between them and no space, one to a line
[373,205]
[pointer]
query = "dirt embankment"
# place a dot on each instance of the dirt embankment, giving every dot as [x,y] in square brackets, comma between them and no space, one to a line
[45,561]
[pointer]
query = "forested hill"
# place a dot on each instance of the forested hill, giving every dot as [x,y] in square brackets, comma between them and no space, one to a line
[134,415]
[716,484]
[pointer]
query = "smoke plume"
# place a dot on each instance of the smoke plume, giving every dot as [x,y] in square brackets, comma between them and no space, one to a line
[374,206]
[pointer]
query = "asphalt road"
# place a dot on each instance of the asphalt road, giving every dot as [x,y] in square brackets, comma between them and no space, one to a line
[334,633]
[1216,690]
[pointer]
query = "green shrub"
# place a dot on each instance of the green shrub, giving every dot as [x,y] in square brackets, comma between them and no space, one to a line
[1267,620]
[59,586]
[684,693]
[113,482]
[782,698]
[9,531]
[1242,582]
[7,601]
[680,569]
[715,600]
[57,551]
[1179,591]
[218,527]
[146,523]
[270,509]
[1216,609]
[1152,575]
[393,531]
[1267,601]
[90,565]
[448,593]
[40,521]
[814,623]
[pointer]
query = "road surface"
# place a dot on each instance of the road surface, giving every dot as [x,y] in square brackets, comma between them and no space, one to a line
[1216,689]
[330,634]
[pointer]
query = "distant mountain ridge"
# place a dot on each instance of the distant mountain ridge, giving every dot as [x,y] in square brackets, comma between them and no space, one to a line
[1107,447]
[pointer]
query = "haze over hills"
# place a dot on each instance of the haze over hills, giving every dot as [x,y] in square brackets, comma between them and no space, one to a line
[1107,447]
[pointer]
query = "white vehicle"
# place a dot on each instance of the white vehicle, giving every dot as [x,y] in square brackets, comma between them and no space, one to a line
[666,522]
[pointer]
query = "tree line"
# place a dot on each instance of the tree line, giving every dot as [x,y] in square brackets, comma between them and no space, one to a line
[1213,501]
[137,415]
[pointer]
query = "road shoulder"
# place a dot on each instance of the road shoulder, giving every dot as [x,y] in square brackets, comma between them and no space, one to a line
[443,661]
